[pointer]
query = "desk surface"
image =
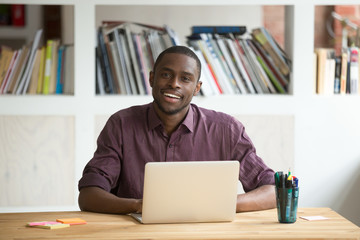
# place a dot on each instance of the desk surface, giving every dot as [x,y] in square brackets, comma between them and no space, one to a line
[251,225]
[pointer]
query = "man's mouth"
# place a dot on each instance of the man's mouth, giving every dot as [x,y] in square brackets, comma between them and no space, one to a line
[172,95]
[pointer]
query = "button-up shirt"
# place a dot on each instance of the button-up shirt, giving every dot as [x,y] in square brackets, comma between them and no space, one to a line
[134,136]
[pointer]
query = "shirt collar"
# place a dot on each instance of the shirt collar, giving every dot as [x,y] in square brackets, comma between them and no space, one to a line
[154,121]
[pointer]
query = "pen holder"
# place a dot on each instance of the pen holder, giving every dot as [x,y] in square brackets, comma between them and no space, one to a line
[287,202]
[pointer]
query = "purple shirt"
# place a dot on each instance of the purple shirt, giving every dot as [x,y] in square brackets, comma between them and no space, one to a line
[134,136]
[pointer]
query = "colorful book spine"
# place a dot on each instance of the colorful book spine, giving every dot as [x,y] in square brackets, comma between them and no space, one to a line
[39,89]
[59,75]
[47,71]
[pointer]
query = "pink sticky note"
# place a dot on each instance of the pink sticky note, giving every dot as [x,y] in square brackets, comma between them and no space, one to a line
[42,223]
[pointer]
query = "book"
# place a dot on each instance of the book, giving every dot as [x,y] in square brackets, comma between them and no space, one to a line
[48,63]
[265,39]
[217,64]
[173,35]
[6,57]
[121,57]
[240,65]
[104,58]
[19,69]
[10,69]
[127,62]
[208,87]
[337,74]
[229,60]
[143,64]
[284,80]
[343,72]
[239,30]
[54,66]
[252,68]
[18,15]
[272,81]
[41,70]
[137,46]
[221,50]
[244,65]
[68,70]
[198,44]
[35,74]
[60,71]
[325,71]
[110,48]
[25,80]
[244,56]
[354,70]
[263,80]
[117,72]
[133,59]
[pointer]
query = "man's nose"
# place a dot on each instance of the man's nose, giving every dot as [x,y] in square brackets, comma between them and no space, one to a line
[174,82]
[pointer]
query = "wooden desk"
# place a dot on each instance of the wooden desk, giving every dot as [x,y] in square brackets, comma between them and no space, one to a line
[252,225]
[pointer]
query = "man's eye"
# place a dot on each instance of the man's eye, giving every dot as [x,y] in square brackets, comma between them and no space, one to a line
[166,75]
[186,79]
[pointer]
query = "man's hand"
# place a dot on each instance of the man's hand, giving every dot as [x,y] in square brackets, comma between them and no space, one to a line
[258,199]
[95,199]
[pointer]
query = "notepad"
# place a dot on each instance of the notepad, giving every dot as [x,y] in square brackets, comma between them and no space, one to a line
[48,225]
[71,221]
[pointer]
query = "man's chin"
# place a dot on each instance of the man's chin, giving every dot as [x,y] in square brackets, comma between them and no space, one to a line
[169,110]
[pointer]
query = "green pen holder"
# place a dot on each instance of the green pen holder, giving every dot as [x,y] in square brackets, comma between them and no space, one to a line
[287,203]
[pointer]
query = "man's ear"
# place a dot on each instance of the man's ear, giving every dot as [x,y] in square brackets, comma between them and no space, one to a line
[151,78]
[197,88]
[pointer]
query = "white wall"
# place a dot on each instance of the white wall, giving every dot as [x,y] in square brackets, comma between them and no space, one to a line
[31,25]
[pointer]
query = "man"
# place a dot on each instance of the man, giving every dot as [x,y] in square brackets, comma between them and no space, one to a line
[169,129]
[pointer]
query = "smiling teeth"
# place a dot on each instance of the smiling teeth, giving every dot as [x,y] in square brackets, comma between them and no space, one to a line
[171,95]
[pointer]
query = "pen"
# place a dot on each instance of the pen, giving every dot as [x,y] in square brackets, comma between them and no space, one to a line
[277,179]
[282,182]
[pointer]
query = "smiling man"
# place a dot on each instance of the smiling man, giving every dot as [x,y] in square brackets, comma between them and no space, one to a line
[169,129]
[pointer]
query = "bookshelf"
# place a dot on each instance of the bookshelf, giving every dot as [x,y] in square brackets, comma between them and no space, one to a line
[317,130]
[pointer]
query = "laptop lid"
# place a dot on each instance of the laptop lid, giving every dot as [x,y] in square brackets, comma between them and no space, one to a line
[193,191]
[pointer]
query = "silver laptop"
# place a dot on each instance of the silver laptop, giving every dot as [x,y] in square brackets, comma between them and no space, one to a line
[201,191]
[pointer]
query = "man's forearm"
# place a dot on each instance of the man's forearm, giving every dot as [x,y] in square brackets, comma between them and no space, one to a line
[95,199]
[258,199]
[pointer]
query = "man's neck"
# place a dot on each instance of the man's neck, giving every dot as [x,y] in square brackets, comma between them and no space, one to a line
[171,121]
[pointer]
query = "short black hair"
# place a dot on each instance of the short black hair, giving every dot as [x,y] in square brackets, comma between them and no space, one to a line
[181,50]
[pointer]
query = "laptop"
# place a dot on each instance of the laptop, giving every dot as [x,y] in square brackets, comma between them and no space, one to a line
[192,191]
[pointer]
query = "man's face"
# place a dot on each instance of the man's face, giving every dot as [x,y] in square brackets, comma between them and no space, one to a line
[174,82]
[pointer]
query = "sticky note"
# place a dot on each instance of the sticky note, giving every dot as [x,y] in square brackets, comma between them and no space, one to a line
[71,221]
[47,225]
[314,218]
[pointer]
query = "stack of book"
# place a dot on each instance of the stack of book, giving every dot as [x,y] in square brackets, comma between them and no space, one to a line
[237,64]
[337,74]
[232,64]
[126,53]
[36,69]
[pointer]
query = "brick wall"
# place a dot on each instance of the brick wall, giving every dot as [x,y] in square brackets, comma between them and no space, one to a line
[352,13]
[273,20]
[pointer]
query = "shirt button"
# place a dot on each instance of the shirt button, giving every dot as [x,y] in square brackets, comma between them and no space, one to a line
[170,146]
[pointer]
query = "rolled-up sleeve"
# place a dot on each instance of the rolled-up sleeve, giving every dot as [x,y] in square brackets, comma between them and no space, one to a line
[253,171]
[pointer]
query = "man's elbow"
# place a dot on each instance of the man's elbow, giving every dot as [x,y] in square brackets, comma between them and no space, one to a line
[83,200]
